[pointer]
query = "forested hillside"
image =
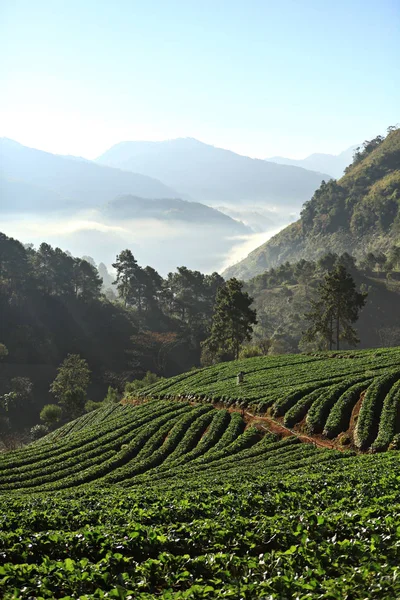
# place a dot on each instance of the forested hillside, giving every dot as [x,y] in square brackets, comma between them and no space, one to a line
[356,214]
[283,296]
[52,304]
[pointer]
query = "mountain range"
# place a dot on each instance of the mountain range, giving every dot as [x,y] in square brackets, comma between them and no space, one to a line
[33,180]
[96,210]
[359,213]
[213,175]
[334,164]
[133,207]
[164,200]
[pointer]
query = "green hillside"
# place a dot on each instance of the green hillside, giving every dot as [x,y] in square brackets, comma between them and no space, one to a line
[170,497]
[356,214]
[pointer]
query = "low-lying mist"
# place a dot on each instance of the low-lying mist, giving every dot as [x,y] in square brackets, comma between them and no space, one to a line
[162,244]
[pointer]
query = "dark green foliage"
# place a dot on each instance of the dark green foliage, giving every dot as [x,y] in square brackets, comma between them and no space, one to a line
[50,415]
[323,388]
[371,408]
[38,431]
[133,386]
[214,522]
[52,305]
[232,324]
[318,414]
[335,310]
[300,409]
[339,416]
[389,421]
[18,399]
[70,385]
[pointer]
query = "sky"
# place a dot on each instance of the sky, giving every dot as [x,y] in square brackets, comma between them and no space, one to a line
[258,77]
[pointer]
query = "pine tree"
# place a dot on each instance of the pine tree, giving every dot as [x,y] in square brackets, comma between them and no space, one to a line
[232,321]
[130,279]
[336,309]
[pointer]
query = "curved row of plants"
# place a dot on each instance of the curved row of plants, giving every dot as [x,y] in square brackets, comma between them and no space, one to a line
[244,531]
[318,392]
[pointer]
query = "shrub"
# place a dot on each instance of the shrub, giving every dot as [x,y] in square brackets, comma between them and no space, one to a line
[50,415]
[149,379]
[38,431]
[113,395]
[92,405]
[251,351]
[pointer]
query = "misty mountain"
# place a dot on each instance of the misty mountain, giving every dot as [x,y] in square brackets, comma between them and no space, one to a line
[133,207]
[33,180]
[334,164]
[215,176]
[98,211]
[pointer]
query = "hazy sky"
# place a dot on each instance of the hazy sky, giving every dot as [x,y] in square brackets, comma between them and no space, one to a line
[259,77]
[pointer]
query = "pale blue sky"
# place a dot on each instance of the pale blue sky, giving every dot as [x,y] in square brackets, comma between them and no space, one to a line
[261,78]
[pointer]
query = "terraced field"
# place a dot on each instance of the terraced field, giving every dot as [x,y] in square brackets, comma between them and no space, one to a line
[151,442]
[174,498]
[314,394]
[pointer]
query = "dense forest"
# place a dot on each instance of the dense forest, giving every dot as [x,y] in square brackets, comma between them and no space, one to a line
[53,304]
[283,296]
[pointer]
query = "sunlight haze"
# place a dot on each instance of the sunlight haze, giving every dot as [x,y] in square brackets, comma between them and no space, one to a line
[259,78]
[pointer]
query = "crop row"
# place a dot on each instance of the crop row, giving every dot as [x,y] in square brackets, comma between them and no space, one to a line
[321,389]
[77,450]
[30,454]
[368,419]
[117,448]
[329,528]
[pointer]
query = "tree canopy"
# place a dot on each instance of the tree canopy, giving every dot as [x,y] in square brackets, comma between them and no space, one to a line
[70,385]
[232,323]
[336,309]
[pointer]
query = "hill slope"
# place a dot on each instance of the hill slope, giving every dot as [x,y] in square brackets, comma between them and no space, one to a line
[317,392]
[172,499]
[132,207]
[32,180]
[213,175]
[143,444]
[356,214]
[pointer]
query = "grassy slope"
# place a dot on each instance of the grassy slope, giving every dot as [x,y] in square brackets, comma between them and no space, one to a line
[292,243]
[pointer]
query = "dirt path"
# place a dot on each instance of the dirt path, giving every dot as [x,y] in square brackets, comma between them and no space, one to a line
[275,426]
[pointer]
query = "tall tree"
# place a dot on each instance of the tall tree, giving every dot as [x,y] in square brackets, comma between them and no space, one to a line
[70,385]
[336,309]
[131,279]
[86,280]
[232,323]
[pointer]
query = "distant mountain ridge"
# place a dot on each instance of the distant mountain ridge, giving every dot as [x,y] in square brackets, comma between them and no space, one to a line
[213,175]
[27,175]
[97,210]
[133,207]
[334,164]
[357,214]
